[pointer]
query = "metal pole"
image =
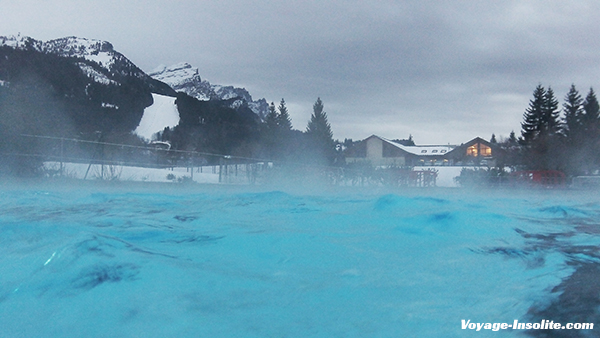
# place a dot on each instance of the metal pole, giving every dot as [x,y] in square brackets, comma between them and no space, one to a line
[61,155]
[220,169]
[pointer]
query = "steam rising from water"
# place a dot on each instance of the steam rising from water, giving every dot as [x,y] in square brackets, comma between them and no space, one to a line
[226,261]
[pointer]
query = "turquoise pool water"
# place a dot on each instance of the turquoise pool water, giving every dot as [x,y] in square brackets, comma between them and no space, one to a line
[232,262]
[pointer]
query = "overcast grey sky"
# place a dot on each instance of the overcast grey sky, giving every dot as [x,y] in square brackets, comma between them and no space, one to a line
[443,71]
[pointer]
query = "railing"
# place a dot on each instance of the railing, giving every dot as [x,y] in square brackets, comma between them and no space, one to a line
[106,160]
[98,159]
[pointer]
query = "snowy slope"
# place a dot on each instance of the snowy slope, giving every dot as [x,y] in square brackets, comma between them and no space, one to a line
[163,113]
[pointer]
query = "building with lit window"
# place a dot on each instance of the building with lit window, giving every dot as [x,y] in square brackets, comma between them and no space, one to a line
[379,151]
[476,152]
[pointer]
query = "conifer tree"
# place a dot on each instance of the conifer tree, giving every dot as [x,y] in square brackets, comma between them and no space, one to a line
[271,133]
[318,125]
[573,111]
[512,139]
[590,117]
[512,155]
[591,132]
[319,131]
[277,138]
[283,119]
[272,118]
[550,122]
[540,129]
[493,139]
[533,116]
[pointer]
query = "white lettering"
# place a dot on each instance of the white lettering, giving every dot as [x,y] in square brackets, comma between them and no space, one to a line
[542,325]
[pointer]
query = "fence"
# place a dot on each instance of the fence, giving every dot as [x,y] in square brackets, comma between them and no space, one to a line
[98,159]
[87,159]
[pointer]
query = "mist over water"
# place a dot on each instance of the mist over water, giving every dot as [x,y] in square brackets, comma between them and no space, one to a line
[237,261]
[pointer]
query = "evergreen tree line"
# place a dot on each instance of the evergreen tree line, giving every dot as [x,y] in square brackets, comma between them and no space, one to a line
[552,138]
[282,142]
[212,127]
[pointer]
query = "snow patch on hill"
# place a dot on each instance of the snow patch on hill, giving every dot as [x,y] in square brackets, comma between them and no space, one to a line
[21,42]
[100,52]
[163,113]
[96,75]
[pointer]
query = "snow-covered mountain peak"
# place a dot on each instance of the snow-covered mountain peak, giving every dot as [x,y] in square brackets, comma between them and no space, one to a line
[101,52]
[183,77]
[73,46]
[21,42]
[96,58]
[178,76]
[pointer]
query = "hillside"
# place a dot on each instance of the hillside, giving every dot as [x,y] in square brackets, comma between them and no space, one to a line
[84,89]
[71,86]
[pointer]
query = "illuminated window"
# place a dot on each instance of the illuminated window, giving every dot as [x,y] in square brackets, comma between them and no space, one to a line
[434,151]
[479,149]
[485,150]
[472,150]
[423,151]
[443,151]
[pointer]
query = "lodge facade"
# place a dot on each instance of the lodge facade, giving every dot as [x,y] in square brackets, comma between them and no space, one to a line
[379,151]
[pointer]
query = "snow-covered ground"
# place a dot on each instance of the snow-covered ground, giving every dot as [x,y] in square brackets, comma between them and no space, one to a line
[216,261]
[163,113]
[207,174]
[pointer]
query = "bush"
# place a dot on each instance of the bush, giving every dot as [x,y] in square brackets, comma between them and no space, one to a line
[480,177]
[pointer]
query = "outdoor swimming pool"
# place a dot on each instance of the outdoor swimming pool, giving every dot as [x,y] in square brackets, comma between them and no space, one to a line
[214,261]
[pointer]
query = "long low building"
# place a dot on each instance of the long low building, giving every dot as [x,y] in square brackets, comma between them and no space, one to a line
[379,151]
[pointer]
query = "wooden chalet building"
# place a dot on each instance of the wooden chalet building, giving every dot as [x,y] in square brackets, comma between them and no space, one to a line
[380,152]
[477,152]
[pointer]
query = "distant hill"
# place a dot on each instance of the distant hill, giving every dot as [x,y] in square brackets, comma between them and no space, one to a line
[82,88]
[71,85]
[88,86]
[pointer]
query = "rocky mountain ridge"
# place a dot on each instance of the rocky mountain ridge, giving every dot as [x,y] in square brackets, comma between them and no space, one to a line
[97,59]
[183,77]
